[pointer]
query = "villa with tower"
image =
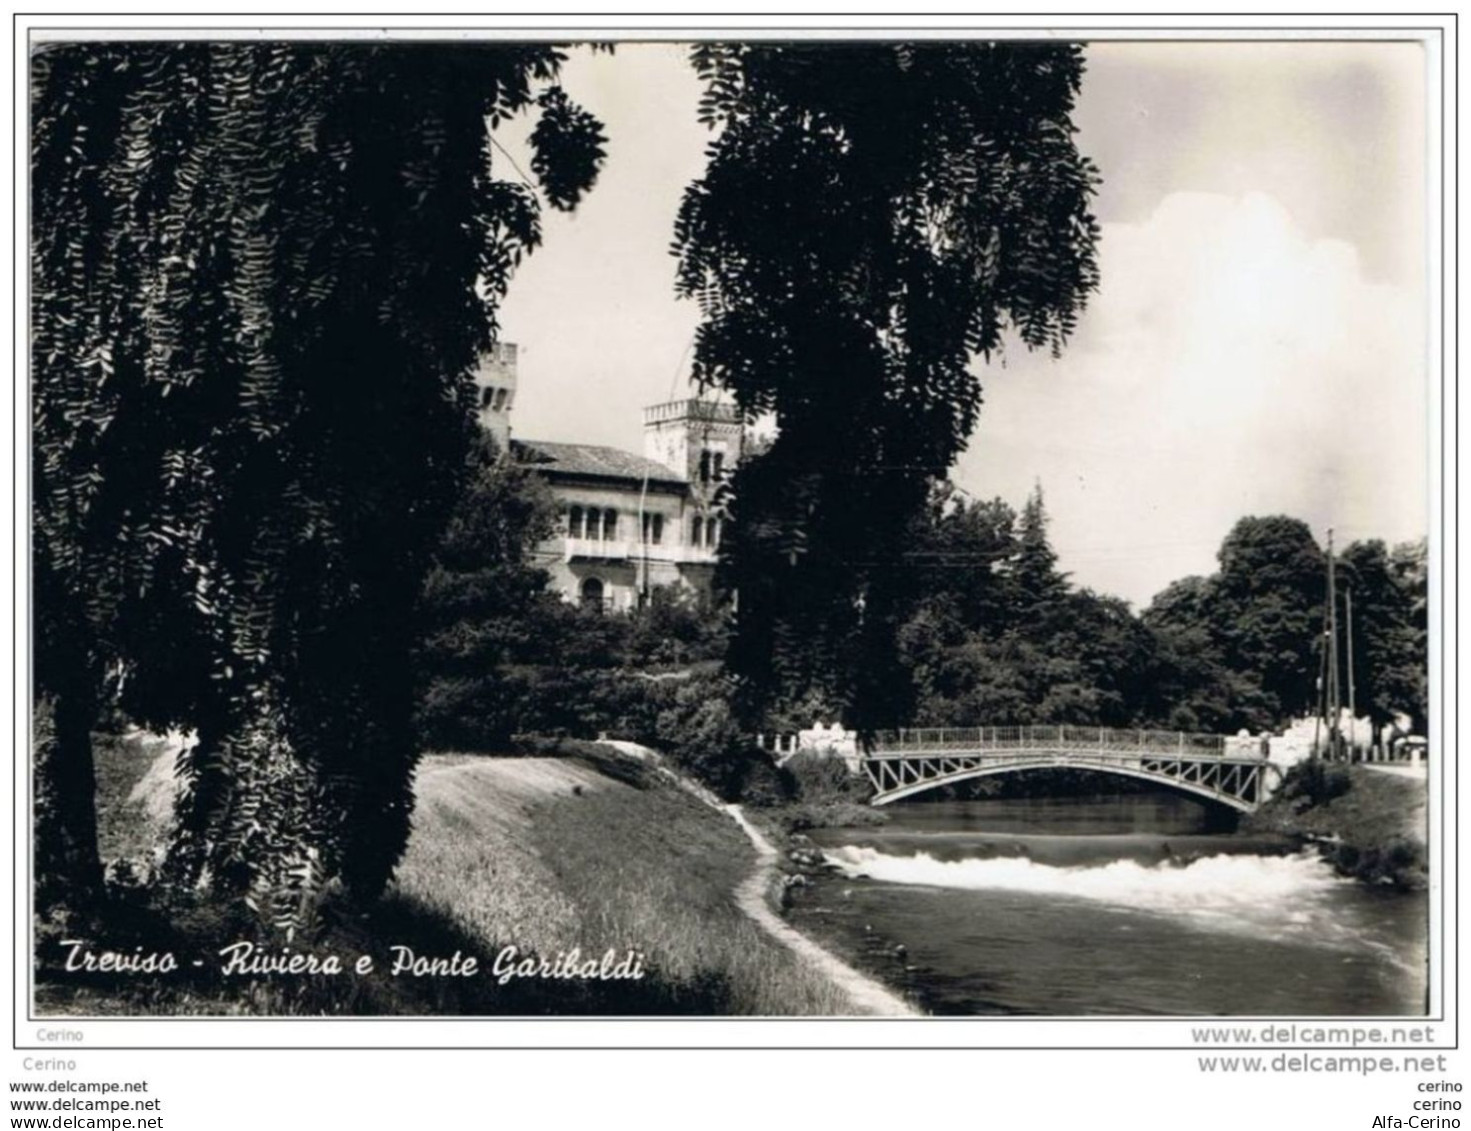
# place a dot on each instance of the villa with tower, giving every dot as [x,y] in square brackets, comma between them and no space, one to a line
[628,523]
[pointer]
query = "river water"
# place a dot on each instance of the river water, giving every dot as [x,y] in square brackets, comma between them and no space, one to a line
[1137,904]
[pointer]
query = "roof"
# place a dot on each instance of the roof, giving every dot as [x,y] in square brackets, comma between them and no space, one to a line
[593,461]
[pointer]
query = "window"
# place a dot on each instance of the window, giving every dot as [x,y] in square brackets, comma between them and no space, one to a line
[697,534]
[485,395]
[717,466]
[574,523]
[610,525]
[704,468]
[592,594]
[653,528]
[712,532]
[500,399]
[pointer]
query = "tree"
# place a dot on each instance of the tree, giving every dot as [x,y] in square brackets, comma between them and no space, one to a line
[997,636]
[675,629]
[1039,587]
[262,274]
[1410,566]
[1241,648]
[1113,652]
[958,557]
[1389,646]
[1182,605]
[872,218]
[1267,608]
[482,605]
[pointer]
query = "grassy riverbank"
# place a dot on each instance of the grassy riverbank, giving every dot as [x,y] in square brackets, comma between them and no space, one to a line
[1370,823]
[593,863]
[549,855]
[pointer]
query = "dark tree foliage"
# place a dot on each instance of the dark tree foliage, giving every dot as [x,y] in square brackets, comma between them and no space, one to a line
[1241,648]
[1390,650]
[1182,605]
[1194,687]
[1266,609]
[1038,584]
[1244,646]
[996,634]
[484,604]
[1410,566]
[262,273]
[676,629]
[959,555]
[871,219]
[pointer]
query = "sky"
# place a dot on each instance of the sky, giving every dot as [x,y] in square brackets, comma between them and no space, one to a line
[1257,344]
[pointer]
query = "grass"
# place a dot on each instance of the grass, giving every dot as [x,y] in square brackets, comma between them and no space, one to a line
[543,854]
[802,815]
[1370,824]
[589,862]
[134,802]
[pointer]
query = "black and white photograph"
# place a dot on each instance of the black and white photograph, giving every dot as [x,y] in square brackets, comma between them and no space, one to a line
[853,525]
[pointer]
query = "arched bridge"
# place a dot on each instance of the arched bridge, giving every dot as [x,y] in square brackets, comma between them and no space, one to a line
[1235,772]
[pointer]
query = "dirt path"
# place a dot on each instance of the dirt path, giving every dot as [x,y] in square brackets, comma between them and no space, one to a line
[869,997]
[1416,770]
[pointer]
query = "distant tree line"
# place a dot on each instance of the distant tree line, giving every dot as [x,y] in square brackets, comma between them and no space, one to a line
[994,632]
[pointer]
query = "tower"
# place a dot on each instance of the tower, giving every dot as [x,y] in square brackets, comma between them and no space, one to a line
[702,440]
[495,390]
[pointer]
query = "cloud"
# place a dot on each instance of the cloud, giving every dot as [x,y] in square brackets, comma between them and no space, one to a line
[1230,365]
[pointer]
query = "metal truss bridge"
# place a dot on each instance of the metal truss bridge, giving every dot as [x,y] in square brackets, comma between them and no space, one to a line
[1234,772]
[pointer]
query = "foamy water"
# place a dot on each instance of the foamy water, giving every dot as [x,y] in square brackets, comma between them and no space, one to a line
[1267,896]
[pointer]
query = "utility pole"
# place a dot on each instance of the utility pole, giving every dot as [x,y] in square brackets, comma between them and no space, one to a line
[1320,698]
[1353,713]
[1334,701]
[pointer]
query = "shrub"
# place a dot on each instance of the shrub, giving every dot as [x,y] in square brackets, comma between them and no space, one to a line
[1397,862]
[674,630]
[762,782]
[829,815]
[1316,782]
[700,733]
[820,777]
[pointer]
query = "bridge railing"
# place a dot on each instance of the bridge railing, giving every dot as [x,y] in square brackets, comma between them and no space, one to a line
[1067,737]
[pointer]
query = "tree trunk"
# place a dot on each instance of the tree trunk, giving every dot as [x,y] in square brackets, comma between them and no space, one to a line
[292,810]
[250,820]
[68,868]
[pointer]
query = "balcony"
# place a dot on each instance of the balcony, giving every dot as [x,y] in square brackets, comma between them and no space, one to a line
[602,549]
[621,550]
[690,555]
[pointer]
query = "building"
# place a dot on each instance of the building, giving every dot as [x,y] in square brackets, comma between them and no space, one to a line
[628,523]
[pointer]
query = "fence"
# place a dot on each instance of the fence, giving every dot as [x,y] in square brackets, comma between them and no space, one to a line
[917,739]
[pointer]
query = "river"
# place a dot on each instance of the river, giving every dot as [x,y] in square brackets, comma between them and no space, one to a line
[1138,904]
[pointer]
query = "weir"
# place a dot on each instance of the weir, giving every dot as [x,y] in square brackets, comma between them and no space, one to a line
[902,763]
